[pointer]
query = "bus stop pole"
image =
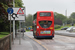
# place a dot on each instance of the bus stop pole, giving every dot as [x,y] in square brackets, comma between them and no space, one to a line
[20,33]
[10,33]
[24,29]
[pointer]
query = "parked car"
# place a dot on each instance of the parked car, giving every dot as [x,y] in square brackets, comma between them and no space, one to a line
[70,29]
[31,30]
[64,28]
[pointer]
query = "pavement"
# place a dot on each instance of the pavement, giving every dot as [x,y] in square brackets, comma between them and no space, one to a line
[25,43]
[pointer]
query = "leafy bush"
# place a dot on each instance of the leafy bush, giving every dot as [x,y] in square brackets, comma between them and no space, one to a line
[57,26]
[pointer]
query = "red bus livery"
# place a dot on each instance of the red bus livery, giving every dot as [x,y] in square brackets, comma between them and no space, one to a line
[43,24]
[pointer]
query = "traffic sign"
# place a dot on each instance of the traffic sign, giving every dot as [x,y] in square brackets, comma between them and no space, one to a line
[22,21]
[20,11]
[18,14]
[10,10]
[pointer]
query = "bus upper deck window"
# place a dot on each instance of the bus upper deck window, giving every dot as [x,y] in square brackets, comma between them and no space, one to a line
[45,14]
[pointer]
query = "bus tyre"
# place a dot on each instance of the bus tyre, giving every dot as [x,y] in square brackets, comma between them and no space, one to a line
[51,37]
[35,36]
[33,33]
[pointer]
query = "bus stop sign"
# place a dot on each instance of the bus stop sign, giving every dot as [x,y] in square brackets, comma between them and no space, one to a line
[10,10]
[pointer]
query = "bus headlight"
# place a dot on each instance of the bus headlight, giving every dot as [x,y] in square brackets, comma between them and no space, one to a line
[37,26]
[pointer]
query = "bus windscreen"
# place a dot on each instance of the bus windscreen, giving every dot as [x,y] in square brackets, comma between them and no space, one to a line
[45,14]
[45,24]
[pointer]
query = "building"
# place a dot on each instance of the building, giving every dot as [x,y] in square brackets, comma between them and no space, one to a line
[57,22]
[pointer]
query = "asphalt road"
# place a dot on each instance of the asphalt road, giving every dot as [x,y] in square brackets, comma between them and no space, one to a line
[65,33]
[57,43]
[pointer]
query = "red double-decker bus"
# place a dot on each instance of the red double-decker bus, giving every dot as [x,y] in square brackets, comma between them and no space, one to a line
[43,24]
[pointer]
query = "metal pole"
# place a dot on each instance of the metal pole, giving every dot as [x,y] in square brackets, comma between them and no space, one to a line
[13,24]
[10,34]
[13,30]
[13,3]
[72,21]
[23,28]
[19,33]
[66,16]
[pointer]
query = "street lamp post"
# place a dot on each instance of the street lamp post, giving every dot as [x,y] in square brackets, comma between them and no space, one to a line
[66,16]
[72,20]
[13,24]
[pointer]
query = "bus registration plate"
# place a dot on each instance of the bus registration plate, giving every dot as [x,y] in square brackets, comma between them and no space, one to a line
[45,32]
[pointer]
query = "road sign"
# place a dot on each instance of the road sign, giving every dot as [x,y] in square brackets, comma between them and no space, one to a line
[29,28]
[22,21]
[20,11]
[10,10]
[18,14]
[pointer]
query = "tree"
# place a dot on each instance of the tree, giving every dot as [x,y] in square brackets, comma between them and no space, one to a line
[4,22]
[55,13]
[69,20]
[18,3]
[60,16]
[72,15]
[29,20]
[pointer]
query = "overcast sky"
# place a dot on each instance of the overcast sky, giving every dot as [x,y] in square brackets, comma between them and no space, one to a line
[58,6]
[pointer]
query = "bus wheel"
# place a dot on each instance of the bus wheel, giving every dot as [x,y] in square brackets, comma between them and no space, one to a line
[35,36]
[33,33]
[51,37]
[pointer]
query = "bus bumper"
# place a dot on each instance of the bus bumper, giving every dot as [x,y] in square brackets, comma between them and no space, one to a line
[44,36]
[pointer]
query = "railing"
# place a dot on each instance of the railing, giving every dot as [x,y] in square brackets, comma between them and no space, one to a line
[5,42]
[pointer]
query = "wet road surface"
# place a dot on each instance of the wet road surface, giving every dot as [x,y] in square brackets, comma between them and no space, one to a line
[57,43]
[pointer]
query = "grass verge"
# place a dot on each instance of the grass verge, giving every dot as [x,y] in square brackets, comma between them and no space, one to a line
[3,34]
[27,31]
[62,27]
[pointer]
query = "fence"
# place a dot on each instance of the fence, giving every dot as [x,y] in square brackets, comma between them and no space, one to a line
[4,42]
